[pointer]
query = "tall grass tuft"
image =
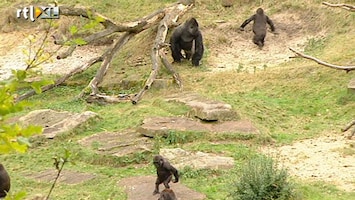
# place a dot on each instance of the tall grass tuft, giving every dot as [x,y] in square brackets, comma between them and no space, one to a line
[260,179]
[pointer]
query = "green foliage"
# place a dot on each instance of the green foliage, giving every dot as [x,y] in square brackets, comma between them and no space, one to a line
[176,137]
[59,162]
[260,179]
[17,196]
[13,137]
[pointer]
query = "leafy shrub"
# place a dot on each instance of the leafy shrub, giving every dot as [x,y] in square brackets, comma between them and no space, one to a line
[260,179]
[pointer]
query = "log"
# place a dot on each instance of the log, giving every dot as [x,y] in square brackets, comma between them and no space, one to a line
[299,54]
[172,71]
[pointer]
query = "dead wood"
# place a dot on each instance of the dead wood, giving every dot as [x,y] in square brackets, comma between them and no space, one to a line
[104,99]
[347,127]
[171,17]
[107,62]
[110,27]
[172,71]
[346,68]
[62,79]
[341,5]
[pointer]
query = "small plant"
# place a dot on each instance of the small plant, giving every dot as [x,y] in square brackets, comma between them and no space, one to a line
[59,162]
[260,179]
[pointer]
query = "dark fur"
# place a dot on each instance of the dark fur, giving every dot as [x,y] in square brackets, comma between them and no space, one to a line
[167,194]
[4,181]
[183,38]
[165,171]
[259,26]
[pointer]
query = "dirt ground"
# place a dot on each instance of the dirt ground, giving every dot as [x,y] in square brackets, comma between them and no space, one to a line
[315,159]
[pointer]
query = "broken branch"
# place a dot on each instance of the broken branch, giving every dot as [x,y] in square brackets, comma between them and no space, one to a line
[341,5]
[346,68]
[348,126]
[172,15]
[62,79]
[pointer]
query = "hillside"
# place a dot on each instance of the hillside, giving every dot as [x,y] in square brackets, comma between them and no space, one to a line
[297,105]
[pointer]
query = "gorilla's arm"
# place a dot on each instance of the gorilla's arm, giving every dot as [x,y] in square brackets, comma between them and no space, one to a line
[173,170]
[197,56]
[246,22]
[175,45]
[268,20]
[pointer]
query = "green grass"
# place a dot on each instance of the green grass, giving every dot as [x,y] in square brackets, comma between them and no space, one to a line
[296,100]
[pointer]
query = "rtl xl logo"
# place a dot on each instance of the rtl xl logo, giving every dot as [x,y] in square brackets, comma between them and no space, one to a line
[33,13]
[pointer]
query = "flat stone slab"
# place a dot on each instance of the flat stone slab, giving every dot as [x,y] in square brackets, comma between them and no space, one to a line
[66,176]
[180,158]
[118,143]
[56,122]
[142,187]
[204,108]
[161,126]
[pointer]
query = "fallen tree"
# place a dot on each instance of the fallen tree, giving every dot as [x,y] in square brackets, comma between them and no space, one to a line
[165,18]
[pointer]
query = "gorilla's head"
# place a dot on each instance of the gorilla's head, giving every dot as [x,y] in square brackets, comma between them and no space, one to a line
[192,26]
[260,11]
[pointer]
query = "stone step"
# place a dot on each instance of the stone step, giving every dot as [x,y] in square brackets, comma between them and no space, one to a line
[66,176]
[204,108]
[160,126]
[56,122]
[142,187]
[180,158]
[118,143]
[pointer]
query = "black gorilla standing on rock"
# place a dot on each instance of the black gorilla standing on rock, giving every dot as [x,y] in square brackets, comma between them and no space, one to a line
[183,38]
[259,26]
[165,172]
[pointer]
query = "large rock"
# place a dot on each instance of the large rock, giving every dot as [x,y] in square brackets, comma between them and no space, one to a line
[161,126]
[56,122]
[205,109]
[196,160]
[142,187]
[118,144]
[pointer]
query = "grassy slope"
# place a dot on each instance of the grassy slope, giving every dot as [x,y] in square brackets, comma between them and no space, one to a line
[266,97]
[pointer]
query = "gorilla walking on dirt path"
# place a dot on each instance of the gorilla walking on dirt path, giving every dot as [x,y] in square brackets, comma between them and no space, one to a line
[259,26]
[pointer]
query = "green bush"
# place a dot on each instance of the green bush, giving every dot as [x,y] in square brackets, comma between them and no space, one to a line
[260,179]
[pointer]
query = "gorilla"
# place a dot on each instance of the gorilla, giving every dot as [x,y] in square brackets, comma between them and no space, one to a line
[183,38]
[259,26]
[167,194]
[4,181]
[165,171]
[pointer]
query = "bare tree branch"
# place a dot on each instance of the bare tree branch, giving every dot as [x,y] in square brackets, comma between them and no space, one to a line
[167,17]
[62,79]
[107,62]
[341,5]
[171,17]
[346,68]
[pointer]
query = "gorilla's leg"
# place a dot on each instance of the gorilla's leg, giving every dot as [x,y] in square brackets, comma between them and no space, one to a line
[176,52]
[167,181]
[258,39]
